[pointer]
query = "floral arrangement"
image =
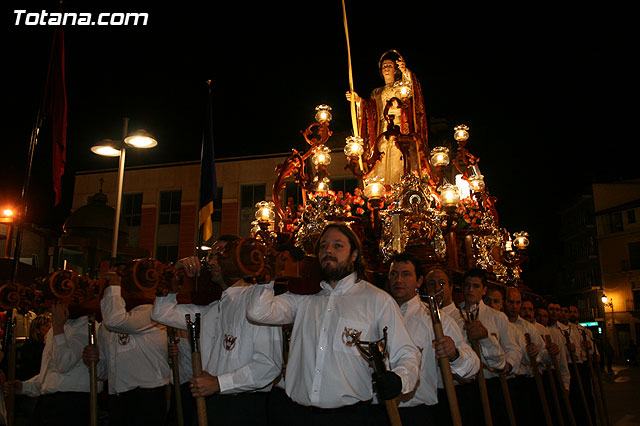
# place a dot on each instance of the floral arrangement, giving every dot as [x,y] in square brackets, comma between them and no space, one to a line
[345,203]
[468,214]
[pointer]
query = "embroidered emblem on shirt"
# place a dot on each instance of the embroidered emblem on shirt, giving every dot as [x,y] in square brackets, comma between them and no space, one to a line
[350,336]
[123,339]
[229,342]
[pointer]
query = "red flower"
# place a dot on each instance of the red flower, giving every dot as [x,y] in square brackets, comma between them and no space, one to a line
[359,210]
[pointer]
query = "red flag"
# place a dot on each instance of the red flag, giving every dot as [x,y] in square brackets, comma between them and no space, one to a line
[55,108]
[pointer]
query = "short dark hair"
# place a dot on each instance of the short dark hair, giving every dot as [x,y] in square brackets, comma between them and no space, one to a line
[409,258]
[476,273]
[354,241]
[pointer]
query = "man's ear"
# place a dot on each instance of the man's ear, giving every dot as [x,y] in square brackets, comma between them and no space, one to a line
[354,255]
[420,281]
[484,290]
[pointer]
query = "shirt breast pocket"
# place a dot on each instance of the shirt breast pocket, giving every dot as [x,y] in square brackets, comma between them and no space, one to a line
[348,333]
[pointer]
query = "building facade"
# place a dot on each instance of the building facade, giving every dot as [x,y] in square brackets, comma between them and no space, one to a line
[160,202]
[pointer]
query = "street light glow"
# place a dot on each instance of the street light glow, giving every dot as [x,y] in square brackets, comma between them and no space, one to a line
[105,150]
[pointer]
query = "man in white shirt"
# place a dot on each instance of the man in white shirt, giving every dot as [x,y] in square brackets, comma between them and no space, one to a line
[240,359]
[62,386]
[582,346]
[327,377]
[132,355]
[490,322]
[524,393]
[417,407]
[491,353]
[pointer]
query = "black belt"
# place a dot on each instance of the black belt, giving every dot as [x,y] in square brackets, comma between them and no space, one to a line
[344,408]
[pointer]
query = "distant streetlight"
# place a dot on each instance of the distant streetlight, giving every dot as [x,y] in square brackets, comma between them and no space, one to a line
[110,148]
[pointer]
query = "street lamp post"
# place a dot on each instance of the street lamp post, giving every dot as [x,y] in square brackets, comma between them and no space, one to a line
[109,148]
[608,301]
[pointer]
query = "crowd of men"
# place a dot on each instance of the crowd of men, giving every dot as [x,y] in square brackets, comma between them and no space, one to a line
[317,373]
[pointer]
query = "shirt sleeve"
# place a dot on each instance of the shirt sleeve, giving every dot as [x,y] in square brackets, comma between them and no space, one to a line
[166,310]
[404,356]
[467,364]
[265,364]
[116,318]
[512,351]
[266,308]
[67,349]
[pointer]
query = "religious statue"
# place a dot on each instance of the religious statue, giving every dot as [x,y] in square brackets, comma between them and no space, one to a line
[394,120]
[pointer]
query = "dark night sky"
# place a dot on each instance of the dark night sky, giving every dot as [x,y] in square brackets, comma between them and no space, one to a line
[541,89]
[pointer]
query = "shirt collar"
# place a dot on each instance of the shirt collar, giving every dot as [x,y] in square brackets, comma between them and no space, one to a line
[410,305]
[342,287]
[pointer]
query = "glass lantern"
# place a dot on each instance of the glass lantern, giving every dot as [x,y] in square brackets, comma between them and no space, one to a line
[439,156]
[353,147]
[476,183]
[521,240]
[404,88]
[461,133]
[323,114]
[321,156]
[374,188]
[265,211]
[322,185]
[449,196]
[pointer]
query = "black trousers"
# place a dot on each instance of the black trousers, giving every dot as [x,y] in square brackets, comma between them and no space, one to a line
[351,415]
[237,410]
[278,408]
[138,407]
[420,415]
[579,410]
[188,406]
[468,395]
[62,409]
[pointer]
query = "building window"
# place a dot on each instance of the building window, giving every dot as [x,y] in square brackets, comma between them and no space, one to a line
[131,210]
[345,185]
[170,207]
[249,196]
[293,191]
[167,253]
[631,216]
[634,255]
[615,219]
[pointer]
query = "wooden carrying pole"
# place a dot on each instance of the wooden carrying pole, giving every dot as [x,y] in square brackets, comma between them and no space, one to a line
[171,332]
[196,359]
[445,366]
[93,376]
[554,396]
[572,355]
[502,377]
[10,344]
[597,390]
[482,382]
[539,385]
[560,383]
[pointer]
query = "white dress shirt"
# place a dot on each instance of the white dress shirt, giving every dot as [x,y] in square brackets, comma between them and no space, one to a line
[418,320]
[497,323]
[490,350]
[61,368]
[243,355]
[325,368]
[133,348]
[521,327]
[563,357]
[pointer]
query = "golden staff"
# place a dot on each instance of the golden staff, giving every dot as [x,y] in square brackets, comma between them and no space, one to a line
[196,359]
[176,378]
[565,333]
[539,385]
[93,376]
[353,103]
[354,120]
[563,392]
